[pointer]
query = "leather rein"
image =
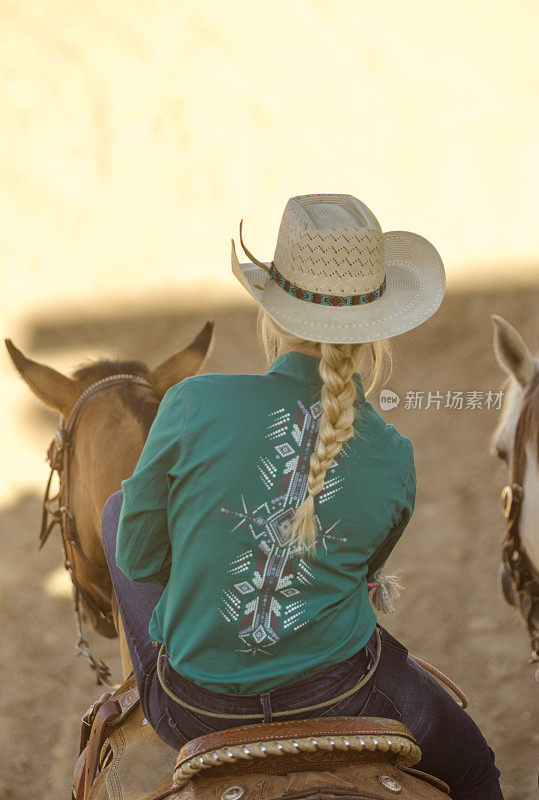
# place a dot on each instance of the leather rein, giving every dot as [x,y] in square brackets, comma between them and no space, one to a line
[523,572]
[56,512]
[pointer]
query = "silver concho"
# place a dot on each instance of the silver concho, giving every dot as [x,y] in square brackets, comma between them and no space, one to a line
[233,793]
[390,783]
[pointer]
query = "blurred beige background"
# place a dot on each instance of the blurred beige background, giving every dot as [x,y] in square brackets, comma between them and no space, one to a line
[135,135]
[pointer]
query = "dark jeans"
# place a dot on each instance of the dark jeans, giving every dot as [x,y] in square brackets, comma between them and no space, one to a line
[452,745]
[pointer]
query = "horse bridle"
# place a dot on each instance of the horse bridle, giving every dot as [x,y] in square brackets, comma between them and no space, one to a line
[524,575]
[56,512]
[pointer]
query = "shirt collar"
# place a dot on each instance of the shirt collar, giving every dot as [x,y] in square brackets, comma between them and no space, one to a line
[305,368]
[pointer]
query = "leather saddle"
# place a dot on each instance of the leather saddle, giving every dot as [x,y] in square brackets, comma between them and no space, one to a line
[327,758]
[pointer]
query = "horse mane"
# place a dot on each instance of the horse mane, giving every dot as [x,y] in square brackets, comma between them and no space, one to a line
[143,406]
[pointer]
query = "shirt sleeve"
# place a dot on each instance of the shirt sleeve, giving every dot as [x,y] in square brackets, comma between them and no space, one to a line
[143,546]
[376,562]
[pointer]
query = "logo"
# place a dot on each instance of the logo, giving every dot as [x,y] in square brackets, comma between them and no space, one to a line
[388,400]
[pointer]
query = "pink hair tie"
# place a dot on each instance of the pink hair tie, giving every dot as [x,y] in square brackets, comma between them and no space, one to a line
[384,592]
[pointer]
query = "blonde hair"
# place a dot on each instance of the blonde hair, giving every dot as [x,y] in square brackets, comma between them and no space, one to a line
[338,363]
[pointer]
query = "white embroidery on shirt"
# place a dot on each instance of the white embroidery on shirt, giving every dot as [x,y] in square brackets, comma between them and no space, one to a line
[266,598]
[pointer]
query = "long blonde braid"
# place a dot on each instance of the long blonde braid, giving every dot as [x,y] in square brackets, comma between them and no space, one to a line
[337,366]
[338,362]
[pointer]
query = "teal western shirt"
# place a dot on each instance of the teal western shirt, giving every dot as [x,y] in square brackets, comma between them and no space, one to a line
[206,512]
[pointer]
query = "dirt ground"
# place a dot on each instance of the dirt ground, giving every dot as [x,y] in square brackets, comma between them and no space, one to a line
[451,613]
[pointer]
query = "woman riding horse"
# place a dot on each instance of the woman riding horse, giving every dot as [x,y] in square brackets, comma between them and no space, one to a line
[262,506]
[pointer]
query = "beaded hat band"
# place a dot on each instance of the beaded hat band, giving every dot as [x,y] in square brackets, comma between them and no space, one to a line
[325,299]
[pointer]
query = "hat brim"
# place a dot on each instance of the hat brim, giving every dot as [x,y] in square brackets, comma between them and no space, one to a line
[415,285]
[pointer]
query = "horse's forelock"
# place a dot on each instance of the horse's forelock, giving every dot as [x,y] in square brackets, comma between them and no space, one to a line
[530,414]
[509,388]
[96,370]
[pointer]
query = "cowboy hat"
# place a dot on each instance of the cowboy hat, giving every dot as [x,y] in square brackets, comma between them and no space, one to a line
[336,277]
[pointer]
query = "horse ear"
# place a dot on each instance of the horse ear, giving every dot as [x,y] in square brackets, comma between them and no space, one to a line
[184,363]
[511,352]
[53,388]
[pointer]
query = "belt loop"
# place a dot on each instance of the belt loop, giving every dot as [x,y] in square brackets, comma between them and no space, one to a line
[265,702]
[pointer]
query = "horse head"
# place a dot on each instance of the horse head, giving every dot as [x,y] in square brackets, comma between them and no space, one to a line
[105,431]
[516,441]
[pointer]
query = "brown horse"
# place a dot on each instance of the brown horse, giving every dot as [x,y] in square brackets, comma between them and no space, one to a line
[109,431]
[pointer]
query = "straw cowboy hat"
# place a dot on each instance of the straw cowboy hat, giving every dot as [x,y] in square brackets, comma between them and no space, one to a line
[336,277]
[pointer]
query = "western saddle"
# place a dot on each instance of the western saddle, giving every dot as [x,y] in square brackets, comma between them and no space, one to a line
[327,758]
